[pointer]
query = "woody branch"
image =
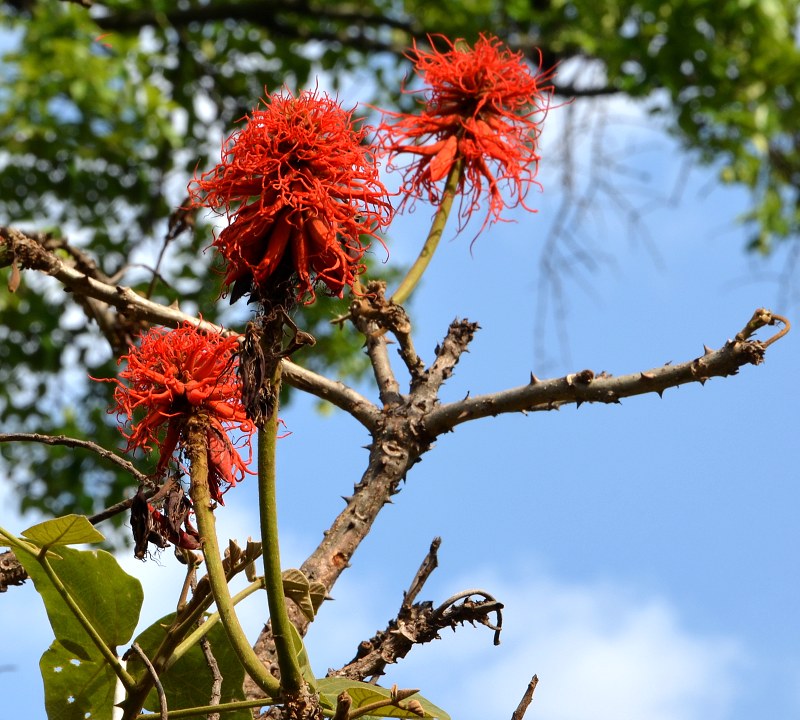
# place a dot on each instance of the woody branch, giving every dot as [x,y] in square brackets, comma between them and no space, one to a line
[408,428]
[28,251]
[407,424]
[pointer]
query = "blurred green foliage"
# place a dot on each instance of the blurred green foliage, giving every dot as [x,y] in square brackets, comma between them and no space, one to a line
[105,113]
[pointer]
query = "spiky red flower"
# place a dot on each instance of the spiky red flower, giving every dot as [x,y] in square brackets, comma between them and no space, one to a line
[299,187]
[172,375]
[484,107]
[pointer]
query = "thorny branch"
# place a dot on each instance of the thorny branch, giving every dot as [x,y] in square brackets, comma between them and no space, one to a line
[429,564]
[374,307]
[407,424]
[585,386]
[407,430]
[415,625]
[375,338]
[418,623]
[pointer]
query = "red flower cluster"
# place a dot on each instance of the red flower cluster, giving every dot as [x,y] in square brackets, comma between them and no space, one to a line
[484,108]
[296,180]
[174,374]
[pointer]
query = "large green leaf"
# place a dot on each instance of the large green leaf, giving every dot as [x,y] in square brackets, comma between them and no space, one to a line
[76,688]
[365,693]
[77,680]
[108,597]
[188,682]
[66,530]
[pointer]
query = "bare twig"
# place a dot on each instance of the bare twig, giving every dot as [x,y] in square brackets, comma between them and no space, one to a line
[448,608]
[416,625]
[762,318]
[216,685]
[387,315]
[459,336]
[162,698]
[11,571]
[585,386]
[112,457]
[362,309]
[522,708]
[429,564]
[334,391]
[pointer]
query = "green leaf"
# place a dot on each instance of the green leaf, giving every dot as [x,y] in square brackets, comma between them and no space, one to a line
[365,693]
[77,680]
[188,682]
[307,595]
[76,686]
[302,658]
[67,530]
[108,597]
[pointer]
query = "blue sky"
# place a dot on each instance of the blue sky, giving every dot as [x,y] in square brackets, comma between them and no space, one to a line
[646,552]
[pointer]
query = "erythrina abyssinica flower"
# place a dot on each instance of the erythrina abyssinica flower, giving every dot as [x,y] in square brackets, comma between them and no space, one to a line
[175,374]
[301,191]
[484,107]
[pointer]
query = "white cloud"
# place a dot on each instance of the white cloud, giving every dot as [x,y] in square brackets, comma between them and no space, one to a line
[601,653]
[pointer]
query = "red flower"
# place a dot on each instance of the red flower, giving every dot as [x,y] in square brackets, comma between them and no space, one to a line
[300,189]
[482,109]
[172,375]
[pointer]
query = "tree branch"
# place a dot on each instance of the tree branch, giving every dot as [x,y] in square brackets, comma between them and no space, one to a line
[406,431]
[388,315]
[28,251]
[348,18]
[429,564]
[522,708]
[416,625]
[459,336]
[362,312]
[585,386]
[112,457]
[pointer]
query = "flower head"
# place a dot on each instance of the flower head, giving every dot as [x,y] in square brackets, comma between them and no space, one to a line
[484,109]
[300,190]
[172,375]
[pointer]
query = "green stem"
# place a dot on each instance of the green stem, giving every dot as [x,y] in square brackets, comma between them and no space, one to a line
[416,271]
[291,677]
[209,623]
[207,709]
[206,524]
